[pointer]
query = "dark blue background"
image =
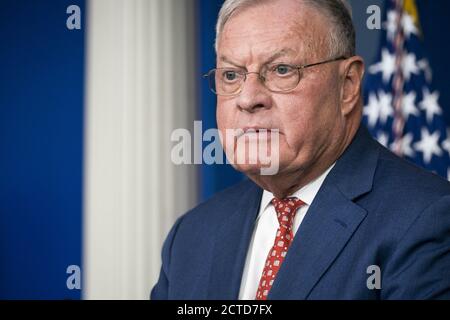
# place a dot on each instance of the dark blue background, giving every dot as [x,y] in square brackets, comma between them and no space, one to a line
[212,177]
[41,134]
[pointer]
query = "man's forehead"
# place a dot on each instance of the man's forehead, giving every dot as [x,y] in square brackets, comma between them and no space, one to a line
[263,21]
[264,49]
[267,57]
[247,32]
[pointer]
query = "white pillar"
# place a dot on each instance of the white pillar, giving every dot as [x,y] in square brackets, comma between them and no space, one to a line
[140,86]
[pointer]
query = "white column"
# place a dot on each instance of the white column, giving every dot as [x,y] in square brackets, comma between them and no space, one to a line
[140,86]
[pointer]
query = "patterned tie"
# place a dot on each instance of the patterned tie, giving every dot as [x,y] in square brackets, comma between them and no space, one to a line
[286,209]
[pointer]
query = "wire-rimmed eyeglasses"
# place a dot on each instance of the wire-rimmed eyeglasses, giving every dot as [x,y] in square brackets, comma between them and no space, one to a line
[276,77]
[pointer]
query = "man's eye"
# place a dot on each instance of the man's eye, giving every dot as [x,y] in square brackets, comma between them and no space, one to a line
[229,75]
[282,69]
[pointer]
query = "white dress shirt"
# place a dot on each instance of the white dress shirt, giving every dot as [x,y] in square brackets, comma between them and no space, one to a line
[266,226]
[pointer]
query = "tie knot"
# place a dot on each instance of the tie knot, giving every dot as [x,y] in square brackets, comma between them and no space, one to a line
[286,209]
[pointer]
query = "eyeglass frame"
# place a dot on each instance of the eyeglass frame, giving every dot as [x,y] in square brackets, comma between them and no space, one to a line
[298,67]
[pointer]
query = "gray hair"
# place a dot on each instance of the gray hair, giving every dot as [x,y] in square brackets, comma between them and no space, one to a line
[342,34]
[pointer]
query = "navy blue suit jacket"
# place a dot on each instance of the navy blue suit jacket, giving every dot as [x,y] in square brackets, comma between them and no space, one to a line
[372,209]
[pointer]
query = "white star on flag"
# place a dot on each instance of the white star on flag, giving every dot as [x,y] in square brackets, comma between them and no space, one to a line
[430,104]
[372,110]
[405,143]
[409,106]
[424,65]
[385,106]
[428,145]
[409,66]
[386,65]
[409,27]
[391,24]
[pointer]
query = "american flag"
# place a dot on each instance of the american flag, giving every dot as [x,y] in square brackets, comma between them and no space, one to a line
[401,109]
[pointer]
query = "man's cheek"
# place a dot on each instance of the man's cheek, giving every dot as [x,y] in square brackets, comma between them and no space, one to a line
[223,119]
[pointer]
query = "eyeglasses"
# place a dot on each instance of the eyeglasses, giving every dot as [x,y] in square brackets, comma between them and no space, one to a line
[277,77]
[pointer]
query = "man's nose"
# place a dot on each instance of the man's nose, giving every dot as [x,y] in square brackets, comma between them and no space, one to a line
[254,96]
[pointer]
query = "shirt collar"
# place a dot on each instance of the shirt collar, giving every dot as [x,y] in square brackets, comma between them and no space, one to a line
[306,193]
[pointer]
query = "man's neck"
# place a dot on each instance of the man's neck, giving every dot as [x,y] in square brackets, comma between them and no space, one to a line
[288,182]
[285,184]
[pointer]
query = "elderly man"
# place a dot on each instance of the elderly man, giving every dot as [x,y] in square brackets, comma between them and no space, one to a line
[342,218]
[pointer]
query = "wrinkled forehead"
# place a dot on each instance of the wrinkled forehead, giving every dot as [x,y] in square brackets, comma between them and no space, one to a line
[260,31]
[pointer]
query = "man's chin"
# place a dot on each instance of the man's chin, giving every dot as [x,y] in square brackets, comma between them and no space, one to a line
[247,168]
[256,169]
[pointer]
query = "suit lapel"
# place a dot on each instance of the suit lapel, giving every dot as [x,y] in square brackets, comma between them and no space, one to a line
[330,222]
[231,244]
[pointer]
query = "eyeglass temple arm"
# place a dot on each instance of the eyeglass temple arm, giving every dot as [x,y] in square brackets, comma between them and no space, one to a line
[322,62]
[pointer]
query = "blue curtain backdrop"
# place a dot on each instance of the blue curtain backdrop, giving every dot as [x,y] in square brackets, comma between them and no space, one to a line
[216,177]
[41,127]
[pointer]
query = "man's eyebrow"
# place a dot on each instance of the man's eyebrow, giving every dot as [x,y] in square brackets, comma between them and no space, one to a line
[226,60]
[279,54]
[273,57]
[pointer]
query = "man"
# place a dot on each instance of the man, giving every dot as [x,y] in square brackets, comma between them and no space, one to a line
[342,218]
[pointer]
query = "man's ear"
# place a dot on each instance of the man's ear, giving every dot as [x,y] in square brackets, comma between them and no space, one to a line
[353,72]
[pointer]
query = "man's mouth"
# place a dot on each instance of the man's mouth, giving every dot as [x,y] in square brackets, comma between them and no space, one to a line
[256,130]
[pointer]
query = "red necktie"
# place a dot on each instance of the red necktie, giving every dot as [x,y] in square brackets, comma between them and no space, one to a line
[286,209]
